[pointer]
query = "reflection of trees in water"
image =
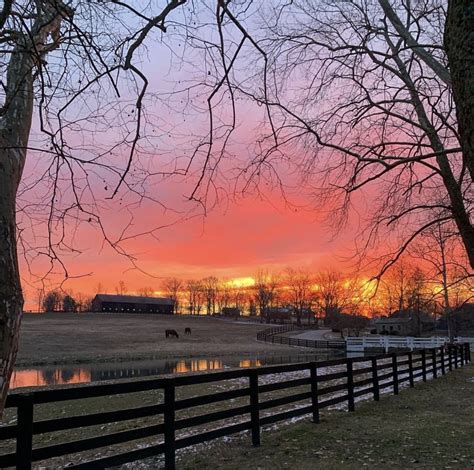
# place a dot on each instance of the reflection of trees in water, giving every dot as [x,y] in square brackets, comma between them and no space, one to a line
[49,376]
[62,376]
[167,367]
[68,374]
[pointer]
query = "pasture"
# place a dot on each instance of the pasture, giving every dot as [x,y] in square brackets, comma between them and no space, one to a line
[73,338]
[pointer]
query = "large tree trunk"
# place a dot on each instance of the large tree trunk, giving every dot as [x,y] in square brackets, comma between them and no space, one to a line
[11,298]
[15,127]
[459,43]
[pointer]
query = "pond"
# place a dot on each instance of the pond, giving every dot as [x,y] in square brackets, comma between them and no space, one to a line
[95,372]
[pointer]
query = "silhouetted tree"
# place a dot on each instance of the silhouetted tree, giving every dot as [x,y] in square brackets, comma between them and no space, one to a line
[121,288]
[69,304]
[146,291]
[300,292]
[210,286]
[172,288]
[266,293]
[195,296]
[334,294]
[52,301]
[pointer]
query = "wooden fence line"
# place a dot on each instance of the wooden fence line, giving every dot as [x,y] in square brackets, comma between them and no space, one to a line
[269,336]
[378,373]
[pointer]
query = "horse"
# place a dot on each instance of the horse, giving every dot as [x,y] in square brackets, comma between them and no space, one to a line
[187,331]
[171,333]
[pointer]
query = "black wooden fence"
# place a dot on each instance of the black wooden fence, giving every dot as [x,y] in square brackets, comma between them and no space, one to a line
[348,379]
[269,336]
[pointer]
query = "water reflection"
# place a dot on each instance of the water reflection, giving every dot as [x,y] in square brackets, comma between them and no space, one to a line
[37,377]
[97,372]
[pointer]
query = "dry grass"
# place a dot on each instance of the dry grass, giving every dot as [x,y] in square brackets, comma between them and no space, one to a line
[429,427]
[64,338]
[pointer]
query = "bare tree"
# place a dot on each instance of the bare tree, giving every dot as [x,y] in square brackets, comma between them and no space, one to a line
[395,287]
[100,289]
[224,295]
[195,293]
[360,97]
[266,292]
[92,51]
[84,302]
[417,296]
[146,291]
[172,288]
[438,249]
[210,286]
[40,297]
[121,288]
[335,295]
[69,303]
[300,291]
[52,301]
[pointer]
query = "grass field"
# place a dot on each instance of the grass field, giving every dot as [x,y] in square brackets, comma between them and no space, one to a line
[428,427]
[64,338]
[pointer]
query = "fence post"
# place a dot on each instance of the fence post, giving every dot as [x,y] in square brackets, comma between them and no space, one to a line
[254,409]
[450,357]
[443,368]
[467,346]
[350,384]
[410,369]
[456,356]
[461,354]
[169,422]
[395,373]
[314,391]
[24,440]
[375,379]
[433,360]
[423,364]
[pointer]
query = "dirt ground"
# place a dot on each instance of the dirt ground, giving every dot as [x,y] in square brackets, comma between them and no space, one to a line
[65,338]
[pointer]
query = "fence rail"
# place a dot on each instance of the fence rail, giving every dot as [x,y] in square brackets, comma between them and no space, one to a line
[269,336]
[325,383]
[361,343]
[386,342]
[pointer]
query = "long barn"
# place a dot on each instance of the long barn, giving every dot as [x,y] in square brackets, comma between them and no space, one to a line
[132,304]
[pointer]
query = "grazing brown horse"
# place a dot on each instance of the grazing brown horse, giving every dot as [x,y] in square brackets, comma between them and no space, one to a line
[171,333]
[187,331]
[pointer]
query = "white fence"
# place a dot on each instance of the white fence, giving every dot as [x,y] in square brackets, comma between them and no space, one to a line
[465,339]
[386,342]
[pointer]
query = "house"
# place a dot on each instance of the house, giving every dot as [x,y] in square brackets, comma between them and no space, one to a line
[132,304]
[462,319]
[279,315]
[404,323]
[395,326]
[232,312]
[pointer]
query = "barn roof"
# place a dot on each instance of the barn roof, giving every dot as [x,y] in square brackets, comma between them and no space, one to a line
[134,299]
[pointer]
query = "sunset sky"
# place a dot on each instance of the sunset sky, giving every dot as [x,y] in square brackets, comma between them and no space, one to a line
[230,242]
[238,222]
[241,230]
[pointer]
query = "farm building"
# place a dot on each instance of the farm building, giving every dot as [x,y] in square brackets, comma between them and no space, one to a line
[232,312]
[132,304]
[404,323]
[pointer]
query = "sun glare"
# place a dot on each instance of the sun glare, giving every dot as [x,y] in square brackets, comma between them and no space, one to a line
[242,282]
